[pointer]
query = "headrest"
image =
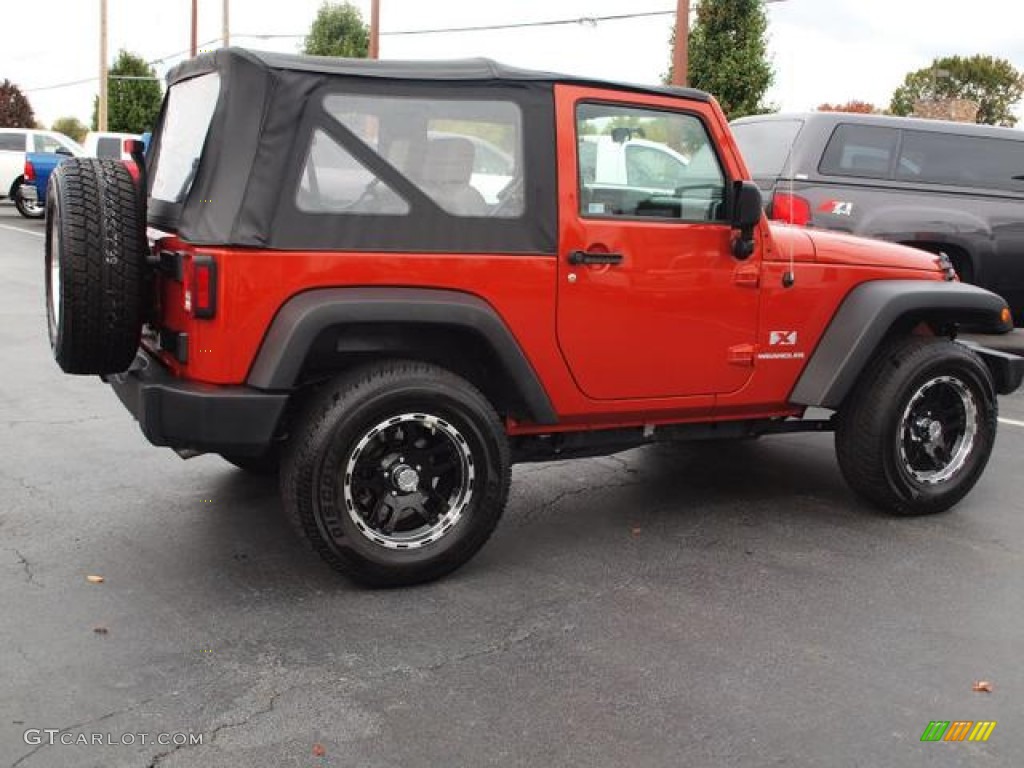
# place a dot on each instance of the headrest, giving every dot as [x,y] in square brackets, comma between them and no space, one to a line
[449,160]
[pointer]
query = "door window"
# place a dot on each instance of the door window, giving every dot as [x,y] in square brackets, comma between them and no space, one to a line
[638,162]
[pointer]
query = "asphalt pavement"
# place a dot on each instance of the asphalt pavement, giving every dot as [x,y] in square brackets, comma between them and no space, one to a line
[698,605]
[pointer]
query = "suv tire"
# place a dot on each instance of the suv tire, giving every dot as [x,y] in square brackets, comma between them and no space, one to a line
[95,258]
[29,210]
[397,473]
[918,430]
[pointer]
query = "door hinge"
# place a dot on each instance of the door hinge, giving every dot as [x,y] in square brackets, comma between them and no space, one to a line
[742,354]
[747,275]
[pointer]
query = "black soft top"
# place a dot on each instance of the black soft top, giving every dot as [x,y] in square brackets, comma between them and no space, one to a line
[465,70]
[270,105]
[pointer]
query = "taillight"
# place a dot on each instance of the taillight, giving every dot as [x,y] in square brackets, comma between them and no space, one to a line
[792,209]
[30,171]
[201,289]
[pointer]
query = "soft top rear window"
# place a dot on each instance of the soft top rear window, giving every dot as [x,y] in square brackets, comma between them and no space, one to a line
[190,107]
[766,145]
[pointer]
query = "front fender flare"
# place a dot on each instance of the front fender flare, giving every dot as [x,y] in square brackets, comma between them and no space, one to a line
[866,317]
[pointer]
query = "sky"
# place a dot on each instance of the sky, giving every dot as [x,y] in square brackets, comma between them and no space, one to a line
[822,50]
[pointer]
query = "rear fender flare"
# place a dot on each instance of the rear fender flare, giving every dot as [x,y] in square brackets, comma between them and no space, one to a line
[301,319]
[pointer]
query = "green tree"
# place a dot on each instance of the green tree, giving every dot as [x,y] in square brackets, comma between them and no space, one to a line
[729,55]
[15,111]
[338,30]
[991,82]
[133,105]
[71,127]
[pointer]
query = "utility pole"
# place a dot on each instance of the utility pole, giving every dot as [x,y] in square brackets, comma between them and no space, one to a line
[681,52]
[195,28]
[374,29]
[226,24]
[101,111]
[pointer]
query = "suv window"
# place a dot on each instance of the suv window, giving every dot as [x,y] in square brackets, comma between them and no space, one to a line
[190,106]
[971,161]
[12,142]
[463,154]
[860,150]
[645,162]
[766,145]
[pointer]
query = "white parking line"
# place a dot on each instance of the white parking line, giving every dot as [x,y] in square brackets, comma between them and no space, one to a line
[1012,422]
[23,231]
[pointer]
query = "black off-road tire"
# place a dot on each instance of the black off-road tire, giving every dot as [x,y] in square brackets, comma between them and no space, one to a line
[95,265]
[379,417]
[884,436]
[34,211]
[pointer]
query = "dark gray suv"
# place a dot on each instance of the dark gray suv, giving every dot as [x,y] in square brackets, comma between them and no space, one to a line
[944,187]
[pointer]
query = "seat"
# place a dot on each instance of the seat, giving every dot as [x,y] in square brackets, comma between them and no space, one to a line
[447,170]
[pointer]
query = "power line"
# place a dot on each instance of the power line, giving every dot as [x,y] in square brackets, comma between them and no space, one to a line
[591,20]
[581,20]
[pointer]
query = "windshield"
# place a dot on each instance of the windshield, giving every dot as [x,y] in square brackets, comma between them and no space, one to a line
[190,106]
[766,145]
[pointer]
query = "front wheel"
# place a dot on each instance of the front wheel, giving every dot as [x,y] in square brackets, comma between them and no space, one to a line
[918,430]
[397,473]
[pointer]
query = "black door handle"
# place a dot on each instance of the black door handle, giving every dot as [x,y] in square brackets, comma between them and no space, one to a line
[582,257]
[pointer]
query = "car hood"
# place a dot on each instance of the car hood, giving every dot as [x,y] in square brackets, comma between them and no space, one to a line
[837,248]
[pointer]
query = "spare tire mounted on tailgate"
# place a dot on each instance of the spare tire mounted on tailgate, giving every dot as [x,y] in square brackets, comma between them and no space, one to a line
[95,257]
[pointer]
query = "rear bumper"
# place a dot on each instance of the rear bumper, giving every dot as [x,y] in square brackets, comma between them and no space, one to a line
[187,415]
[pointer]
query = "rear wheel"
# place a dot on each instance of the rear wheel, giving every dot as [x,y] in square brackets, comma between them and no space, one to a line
[397,473]
[918,431]
[95,258]
[30,209]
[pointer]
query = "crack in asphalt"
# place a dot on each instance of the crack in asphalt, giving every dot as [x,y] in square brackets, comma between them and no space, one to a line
[536,511]
[246,720]
[30,577]
[83,724]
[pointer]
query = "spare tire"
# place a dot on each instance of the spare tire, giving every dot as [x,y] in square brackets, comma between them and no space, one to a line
[95,265]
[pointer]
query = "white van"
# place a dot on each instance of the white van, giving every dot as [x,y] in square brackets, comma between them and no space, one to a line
[109,144]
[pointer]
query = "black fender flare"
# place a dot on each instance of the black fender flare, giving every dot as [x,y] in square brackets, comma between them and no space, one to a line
[867,315]
[303,317]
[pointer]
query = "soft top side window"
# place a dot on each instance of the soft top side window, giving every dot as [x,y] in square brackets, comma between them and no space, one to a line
[465,155]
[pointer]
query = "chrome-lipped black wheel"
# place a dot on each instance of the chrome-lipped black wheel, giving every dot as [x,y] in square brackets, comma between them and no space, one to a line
[917,431]
[397,472]
[939,427]
[408,481]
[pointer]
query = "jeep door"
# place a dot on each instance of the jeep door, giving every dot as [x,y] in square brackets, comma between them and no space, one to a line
[651,303]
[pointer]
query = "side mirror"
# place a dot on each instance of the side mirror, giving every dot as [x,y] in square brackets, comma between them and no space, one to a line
[63,151]
[747,208]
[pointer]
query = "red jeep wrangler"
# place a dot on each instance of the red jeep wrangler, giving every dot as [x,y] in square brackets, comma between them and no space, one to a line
[396,279]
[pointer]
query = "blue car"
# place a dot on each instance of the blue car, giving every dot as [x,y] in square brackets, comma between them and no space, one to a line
[38,167]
